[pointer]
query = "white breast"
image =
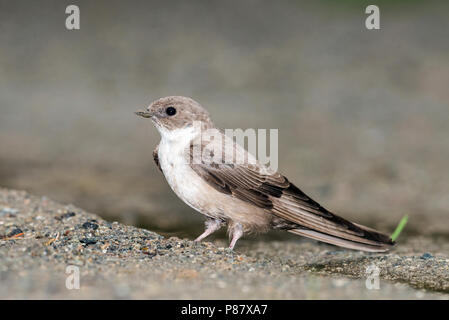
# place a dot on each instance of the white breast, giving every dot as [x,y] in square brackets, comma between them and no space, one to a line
[174,162]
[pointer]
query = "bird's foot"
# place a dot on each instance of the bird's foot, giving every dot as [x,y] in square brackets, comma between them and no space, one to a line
[212,225]
[236,232]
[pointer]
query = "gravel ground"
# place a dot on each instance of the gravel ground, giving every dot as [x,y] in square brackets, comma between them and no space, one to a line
[40,238]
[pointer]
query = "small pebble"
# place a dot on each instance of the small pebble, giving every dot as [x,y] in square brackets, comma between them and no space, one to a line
[10,212]
[14,232]
[426,256]
[90,225]
[88,241]
[65,215]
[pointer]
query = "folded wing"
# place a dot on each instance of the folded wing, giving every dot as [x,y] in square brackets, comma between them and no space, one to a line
[267,189]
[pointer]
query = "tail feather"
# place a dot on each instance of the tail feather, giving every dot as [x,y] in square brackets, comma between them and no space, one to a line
[383,242]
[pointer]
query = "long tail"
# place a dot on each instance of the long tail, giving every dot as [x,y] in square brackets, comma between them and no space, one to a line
[371,240]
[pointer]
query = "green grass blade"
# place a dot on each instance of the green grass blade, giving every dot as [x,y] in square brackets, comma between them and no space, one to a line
[399,228]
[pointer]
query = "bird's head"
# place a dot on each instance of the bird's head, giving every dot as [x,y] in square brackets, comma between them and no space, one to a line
[176,112]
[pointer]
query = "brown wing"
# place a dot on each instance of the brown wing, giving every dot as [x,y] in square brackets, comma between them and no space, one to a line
[273,192]
[156,157]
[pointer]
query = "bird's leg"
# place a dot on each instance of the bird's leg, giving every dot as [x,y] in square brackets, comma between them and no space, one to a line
[235,233]
[212,225]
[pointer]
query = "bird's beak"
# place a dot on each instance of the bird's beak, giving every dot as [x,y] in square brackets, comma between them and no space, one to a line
[142,113]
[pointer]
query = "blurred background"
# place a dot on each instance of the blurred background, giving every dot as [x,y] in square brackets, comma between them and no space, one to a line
[363,115]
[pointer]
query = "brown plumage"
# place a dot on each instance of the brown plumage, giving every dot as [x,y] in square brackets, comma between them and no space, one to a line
[249,197]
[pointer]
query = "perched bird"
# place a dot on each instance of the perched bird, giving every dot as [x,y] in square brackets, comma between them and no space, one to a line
[248,197]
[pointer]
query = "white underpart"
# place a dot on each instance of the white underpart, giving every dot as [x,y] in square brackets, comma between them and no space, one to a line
[175,165]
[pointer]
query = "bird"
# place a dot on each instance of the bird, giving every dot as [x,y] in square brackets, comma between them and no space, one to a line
[246,196]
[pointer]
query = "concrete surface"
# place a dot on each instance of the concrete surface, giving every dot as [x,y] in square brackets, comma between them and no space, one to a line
[41,238]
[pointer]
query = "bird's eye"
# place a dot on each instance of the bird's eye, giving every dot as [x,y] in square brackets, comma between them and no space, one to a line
[170,111]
